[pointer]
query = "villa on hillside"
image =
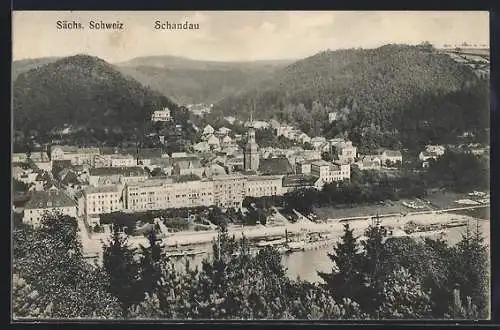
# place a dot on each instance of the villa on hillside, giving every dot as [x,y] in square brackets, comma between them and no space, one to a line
[161,115]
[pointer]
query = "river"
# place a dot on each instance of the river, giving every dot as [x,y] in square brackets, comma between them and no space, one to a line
[306,264]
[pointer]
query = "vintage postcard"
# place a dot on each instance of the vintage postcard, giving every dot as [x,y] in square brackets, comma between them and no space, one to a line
[250,165]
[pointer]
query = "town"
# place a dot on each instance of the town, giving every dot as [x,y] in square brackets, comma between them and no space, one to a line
[91,183]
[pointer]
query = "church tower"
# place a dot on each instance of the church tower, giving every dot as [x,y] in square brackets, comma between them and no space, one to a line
[251,153]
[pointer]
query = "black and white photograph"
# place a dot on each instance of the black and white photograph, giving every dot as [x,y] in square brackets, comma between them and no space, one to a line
[250,165]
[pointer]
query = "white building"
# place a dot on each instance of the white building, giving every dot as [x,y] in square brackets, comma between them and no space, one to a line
[343,150]
[229,190]
[369,163]
[332,116]
[391,156]
[208,130]
[264,185]
[161,115]
[77,156]
[304,166]
[329,172]
[213,141]
[102,200]
[435,149]
[157,194]
[47,202]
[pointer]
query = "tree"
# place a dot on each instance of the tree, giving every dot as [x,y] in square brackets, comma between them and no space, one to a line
[471,270]
[403,297]
[345,280]
[54,277]
[122,269]
[374,268]
[151,266]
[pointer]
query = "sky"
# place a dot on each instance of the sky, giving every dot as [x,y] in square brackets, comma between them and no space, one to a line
[239,36]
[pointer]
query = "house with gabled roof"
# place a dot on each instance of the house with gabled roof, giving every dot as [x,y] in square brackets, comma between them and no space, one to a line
[208,130]
[187,165]
[391,156]
[47,202]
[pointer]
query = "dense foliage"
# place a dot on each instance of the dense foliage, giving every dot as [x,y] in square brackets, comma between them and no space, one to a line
[403,278]
[380,278]
[459,171]
[86,93]
[381,96]
[51,278]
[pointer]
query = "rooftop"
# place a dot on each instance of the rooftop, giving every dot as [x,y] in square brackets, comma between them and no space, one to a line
[74,149]
[48,199]
[263,177]
[163,161]
[125,171]
[233,176]
[102,189]
[39,156]
[187,162]
[152,182]
[392,153]
[321,162]
[275,166]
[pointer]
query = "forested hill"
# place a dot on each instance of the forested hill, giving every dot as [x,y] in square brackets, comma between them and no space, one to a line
[81,91]
[369,86]
[21,66]
[191,81]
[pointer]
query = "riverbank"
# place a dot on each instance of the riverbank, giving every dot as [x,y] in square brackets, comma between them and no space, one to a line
[334,229]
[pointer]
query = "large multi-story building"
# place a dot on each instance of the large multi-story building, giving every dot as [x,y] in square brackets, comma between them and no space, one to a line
[161,115]
[43,202]
[102,200]
[157,194]
[77,156]
[343,151]
[229,190]
[329,172]
[264,185]
[299,181]
[304,166]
